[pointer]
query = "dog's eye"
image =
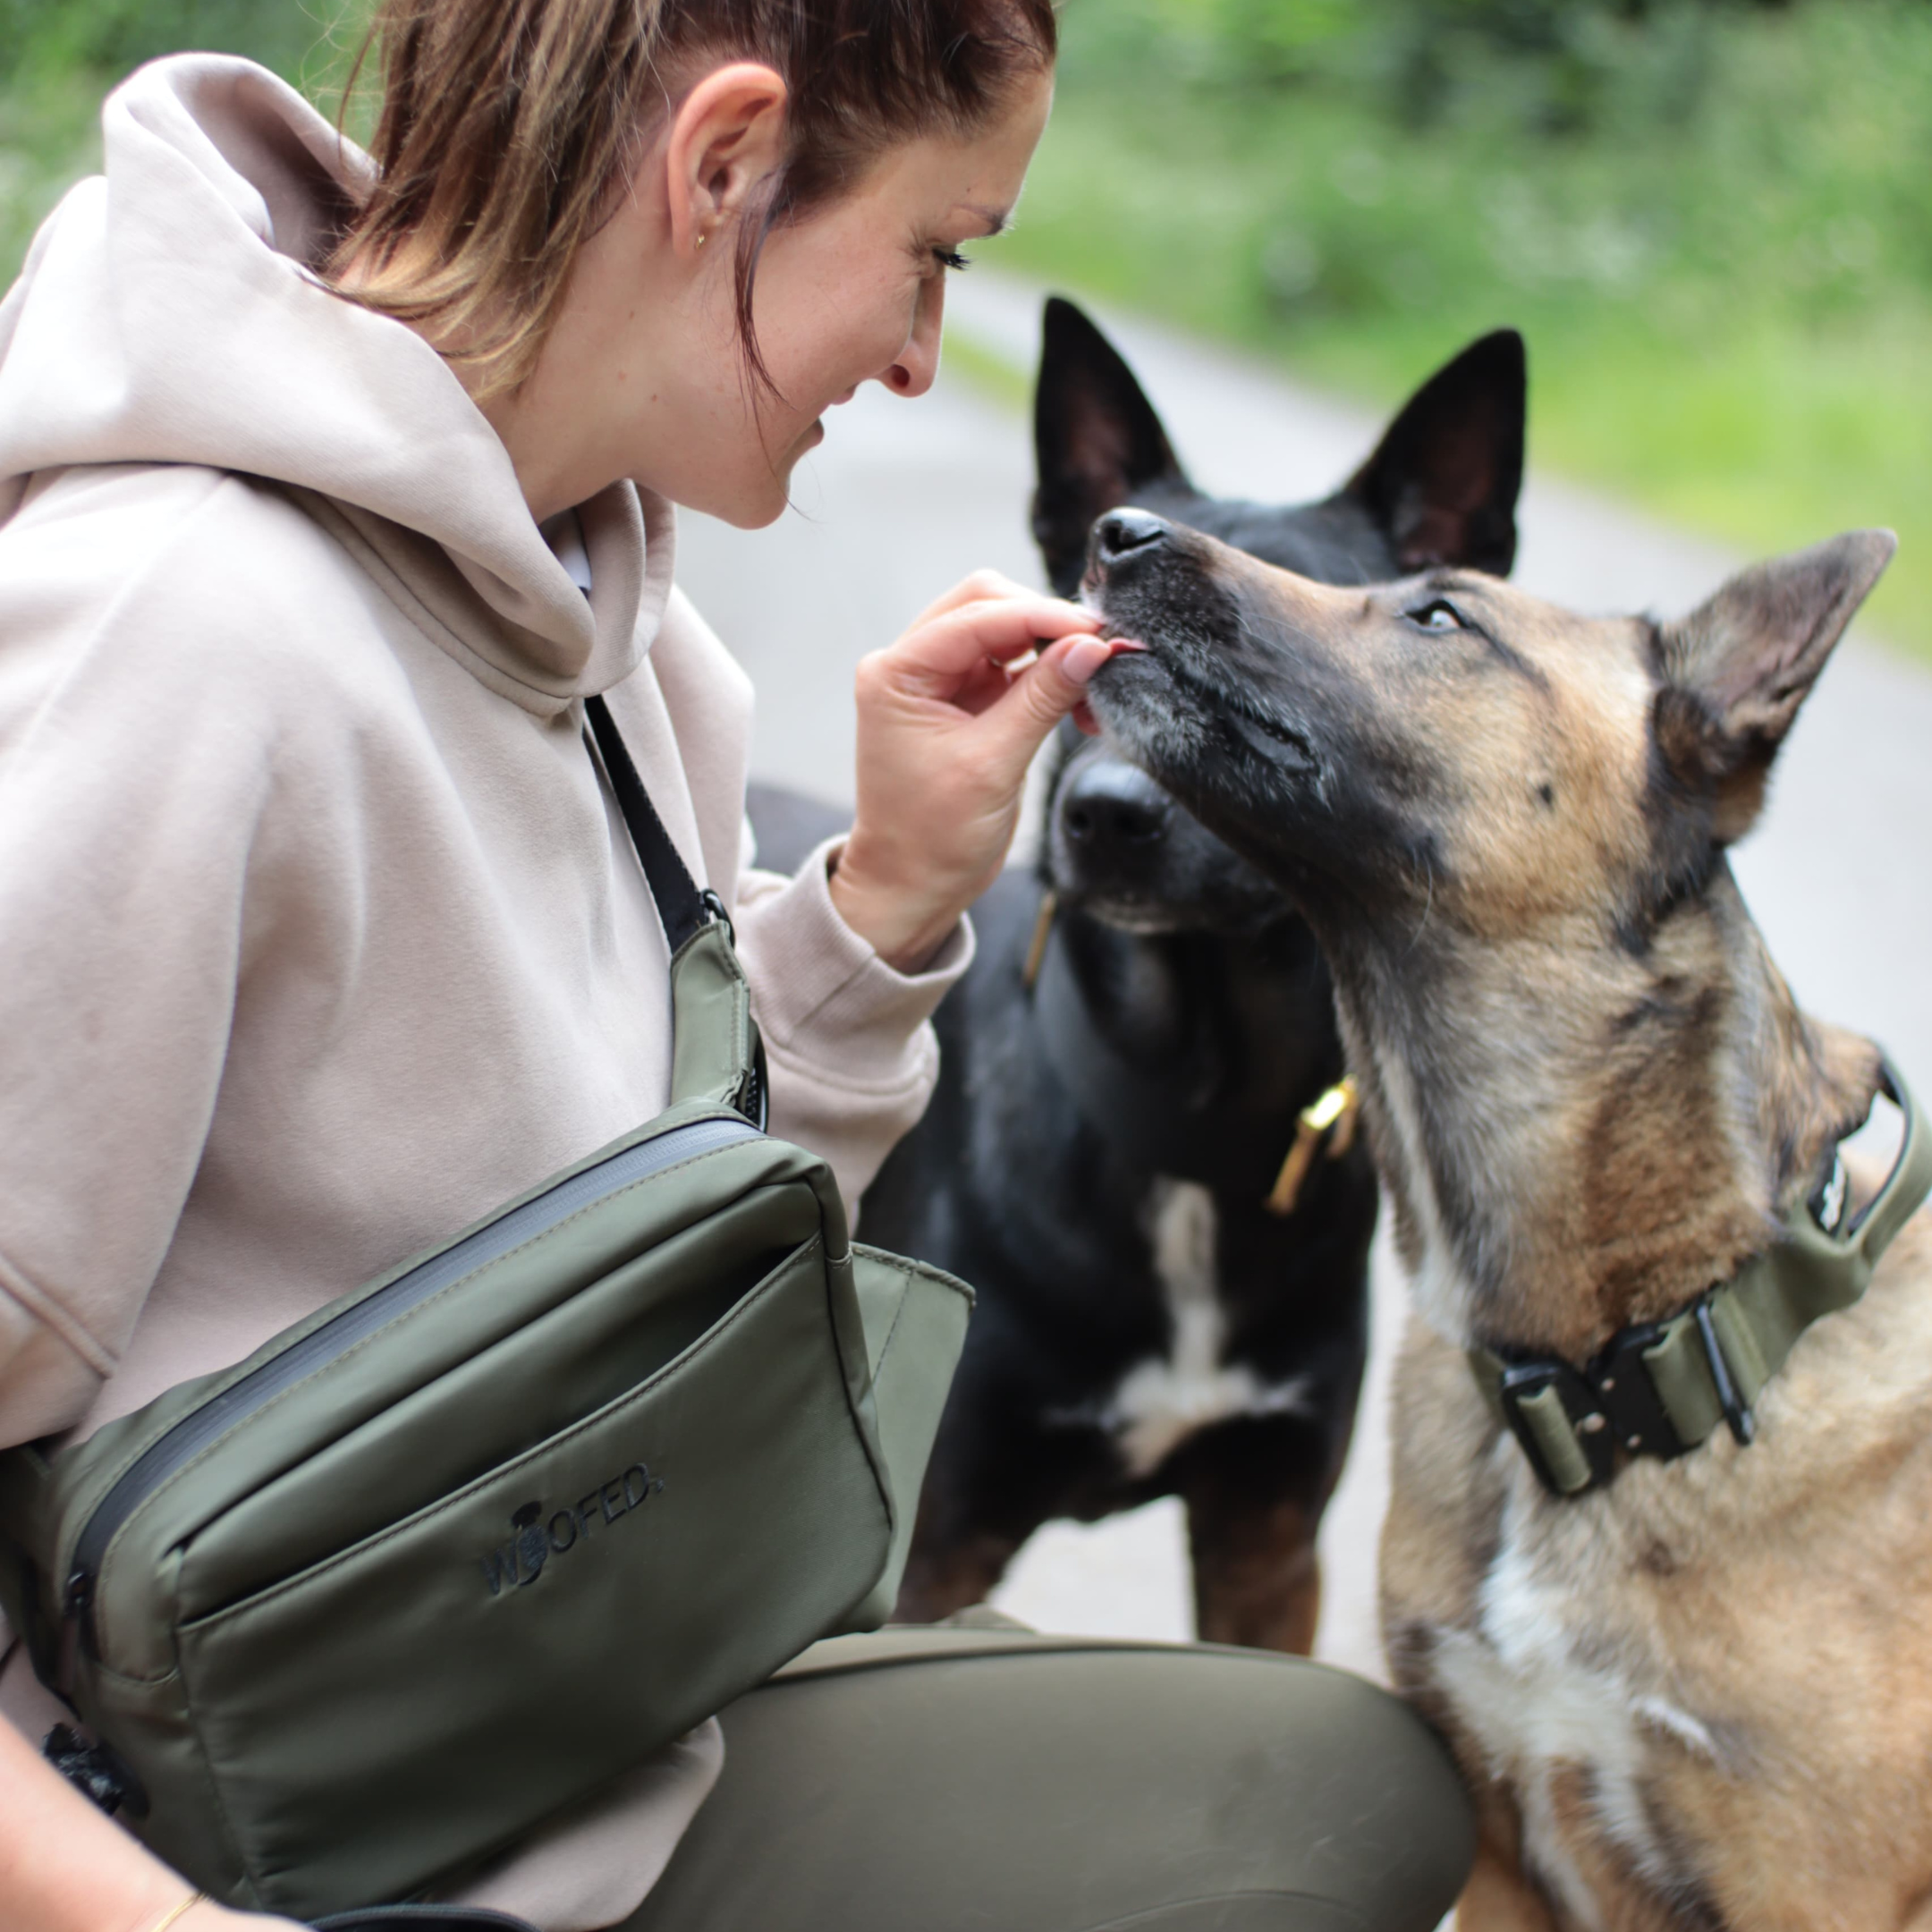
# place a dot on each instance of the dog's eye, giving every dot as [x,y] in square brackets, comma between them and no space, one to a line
[1438,615]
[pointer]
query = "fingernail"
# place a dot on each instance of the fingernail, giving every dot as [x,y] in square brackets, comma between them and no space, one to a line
[1084,658]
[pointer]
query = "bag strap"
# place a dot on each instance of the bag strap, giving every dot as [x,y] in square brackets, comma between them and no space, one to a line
[717,1054]
[681,905]
[716,1057]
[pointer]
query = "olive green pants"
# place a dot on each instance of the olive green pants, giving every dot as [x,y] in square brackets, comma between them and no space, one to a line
[937,1780]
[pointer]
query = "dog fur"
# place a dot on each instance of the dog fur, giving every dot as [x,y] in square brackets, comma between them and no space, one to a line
[1697,1697]
[1146,1326]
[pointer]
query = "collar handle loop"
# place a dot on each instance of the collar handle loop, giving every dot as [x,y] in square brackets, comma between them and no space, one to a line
[1911,1178]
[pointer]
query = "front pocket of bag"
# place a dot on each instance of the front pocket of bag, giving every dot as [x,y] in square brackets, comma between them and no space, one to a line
[613,1336]
[418,1700]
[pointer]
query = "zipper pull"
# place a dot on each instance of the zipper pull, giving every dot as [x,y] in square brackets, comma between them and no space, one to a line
[79,1602]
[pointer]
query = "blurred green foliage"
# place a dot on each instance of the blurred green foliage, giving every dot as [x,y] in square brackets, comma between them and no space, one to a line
[1712,219]
[58,58]
[112,36]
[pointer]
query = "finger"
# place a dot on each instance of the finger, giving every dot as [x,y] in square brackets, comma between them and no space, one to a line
[1040,697]
[939,654]
[980,691]
[973,589]
[885,683]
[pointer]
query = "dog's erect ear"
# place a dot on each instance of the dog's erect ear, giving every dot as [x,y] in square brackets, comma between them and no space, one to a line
[1737,668]
[1443,485]
[1096,439]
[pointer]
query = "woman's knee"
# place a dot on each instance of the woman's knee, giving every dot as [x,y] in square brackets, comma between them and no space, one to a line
[1328,1787]
[1057,1785]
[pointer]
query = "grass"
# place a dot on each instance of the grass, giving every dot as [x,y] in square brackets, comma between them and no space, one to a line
[1727,289]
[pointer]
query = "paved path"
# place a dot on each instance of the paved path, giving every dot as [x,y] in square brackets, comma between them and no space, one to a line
[903,499]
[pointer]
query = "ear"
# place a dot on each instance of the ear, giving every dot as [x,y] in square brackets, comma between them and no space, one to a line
[1443,485]
[1737,668]
[1095,438]
[727,138]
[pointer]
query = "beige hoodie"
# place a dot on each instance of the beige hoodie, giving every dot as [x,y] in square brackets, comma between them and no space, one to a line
[318,935]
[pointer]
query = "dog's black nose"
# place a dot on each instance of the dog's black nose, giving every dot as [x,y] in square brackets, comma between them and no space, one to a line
[1122,532]
[1107,803]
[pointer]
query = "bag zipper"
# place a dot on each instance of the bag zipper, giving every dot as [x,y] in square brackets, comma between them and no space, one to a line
[180,1444]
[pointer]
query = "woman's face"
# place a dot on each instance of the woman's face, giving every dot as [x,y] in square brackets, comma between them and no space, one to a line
[644,374]
[855,293]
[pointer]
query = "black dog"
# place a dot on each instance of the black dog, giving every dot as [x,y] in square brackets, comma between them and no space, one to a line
[1124,1079]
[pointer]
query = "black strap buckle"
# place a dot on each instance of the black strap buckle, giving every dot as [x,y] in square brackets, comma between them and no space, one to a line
[1582,1410]
[96,1770]
[1638,1420]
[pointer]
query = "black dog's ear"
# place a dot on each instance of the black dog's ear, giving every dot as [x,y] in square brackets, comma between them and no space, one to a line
[1443,485]
[1096,439]
[1736,669]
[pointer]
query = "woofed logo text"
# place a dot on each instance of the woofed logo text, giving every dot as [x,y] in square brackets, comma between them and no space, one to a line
[535,1539]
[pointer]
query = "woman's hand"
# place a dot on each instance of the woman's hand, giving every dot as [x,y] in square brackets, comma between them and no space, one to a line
[66,1868]
[947,727]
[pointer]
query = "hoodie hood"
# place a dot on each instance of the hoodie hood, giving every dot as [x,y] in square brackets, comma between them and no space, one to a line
[169,312]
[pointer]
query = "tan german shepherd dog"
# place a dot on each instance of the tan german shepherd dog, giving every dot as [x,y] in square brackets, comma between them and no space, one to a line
[1698,1693]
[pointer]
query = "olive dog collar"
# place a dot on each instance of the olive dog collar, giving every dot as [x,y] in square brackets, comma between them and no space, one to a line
[1661,1388]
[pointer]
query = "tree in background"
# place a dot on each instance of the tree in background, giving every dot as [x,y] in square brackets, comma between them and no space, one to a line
[1709,217]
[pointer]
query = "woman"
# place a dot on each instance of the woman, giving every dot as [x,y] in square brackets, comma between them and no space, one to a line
[329,490]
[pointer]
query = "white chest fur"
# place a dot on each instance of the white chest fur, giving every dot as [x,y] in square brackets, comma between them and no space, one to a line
[1521,1685]
[1164,1400]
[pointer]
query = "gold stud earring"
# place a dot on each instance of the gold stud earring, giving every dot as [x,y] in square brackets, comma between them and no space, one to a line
[703,236]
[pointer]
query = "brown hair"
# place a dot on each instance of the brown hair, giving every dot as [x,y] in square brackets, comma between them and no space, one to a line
[507,125]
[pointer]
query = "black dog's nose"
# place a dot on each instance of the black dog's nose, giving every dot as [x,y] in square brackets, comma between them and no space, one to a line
[1111,803]
[1122,532]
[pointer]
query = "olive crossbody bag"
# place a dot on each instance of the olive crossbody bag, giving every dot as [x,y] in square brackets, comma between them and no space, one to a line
[440,1561]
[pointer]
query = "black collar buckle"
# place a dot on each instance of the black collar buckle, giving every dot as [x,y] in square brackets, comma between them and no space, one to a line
[1659,1389]
[1549,1405]
[1638,1420]
[1570,1423]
